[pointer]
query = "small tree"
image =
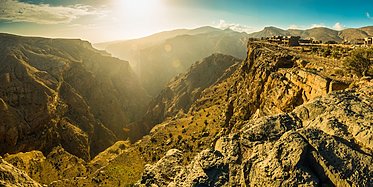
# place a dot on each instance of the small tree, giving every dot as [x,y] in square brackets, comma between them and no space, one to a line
[360,61]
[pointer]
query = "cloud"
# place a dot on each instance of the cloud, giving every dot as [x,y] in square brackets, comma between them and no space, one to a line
[234,26]
[317,25]
[295,27]
[15,11]
[338,26]
[368,16]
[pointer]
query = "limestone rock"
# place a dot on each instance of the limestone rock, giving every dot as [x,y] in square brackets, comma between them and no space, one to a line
[57,165]
[11,176]
[162,172]
[326,141]
[207,169]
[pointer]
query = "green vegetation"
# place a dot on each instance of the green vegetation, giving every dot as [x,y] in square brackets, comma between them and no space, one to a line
[360,61]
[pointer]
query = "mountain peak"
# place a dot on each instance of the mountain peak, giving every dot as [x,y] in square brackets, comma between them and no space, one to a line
[272,27]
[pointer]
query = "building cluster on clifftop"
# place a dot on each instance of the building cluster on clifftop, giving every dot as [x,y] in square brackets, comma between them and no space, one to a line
[297,41]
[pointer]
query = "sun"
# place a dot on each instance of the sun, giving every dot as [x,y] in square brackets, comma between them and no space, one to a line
[140,9]
[138,18]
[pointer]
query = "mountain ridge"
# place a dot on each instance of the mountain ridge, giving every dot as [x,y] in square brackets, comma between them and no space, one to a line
[318,33]
[156,60]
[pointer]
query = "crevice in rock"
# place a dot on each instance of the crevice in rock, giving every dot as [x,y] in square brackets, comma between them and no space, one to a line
[352,145]
[328,84]
[314,166]
[311,163]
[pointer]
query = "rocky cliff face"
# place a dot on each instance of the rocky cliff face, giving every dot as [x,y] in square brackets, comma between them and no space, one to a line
[269,81]
[63,92]
[327,141]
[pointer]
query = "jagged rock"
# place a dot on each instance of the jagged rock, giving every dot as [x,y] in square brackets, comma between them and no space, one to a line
[11,176]
[207,169]
[162,172]
[327,141]
[281,166]
[57,165]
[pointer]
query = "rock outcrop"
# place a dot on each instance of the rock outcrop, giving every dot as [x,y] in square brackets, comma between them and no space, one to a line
[327,141]
[64,92]
[12,176]
[268,82]
[57,165]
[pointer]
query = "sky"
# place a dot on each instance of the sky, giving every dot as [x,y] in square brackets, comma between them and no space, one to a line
[108,20]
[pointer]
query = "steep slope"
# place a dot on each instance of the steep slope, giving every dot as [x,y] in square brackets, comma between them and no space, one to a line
[322,34]
[368,30]
[184,90]
[156,62]
[353,34]
[63,92]
[327,141]
[268,32]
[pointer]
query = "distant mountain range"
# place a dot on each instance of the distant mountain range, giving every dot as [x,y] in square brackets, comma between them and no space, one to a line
[318,33]
[159,57]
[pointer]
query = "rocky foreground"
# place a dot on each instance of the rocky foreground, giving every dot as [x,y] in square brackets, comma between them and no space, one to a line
[327,141]
[280,124]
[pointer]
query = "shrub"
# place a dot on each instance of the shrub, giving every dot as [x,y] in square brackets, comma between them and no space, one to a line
[327,52]
[360,61]
[179,138]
